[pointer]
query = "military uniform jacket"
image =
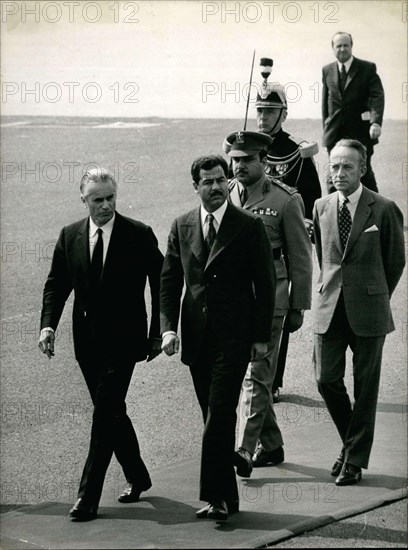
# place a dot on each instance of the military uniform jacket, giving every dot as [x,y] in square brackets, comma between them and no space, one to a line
[281,209]
[293,170]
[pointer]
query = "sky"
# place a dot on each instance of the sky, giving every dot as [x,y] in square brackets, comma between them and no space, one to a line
[188,58]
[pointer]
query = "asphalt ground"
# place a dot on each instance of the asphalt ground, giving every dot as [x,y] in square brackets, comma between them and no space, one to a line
[45,407]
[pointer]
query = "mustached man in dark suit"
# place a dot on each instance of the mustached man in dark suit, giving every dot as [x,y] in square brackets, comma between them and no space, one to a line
[106,259]
[221,255]
[352,103]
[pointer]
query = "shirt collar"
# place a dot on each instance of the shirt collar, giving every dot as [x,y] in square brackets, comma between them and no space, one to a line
[347,64]
[218,214]
[354,197]
[251,188]
[107,228]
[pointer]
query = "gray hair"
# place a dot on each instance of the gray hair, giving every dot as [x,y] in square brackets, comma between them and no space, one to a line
[357,146]
[97,175]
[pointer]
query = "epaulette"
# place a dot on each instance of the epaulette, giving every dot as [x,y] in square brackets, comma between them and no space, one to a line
[287,188]
[306,149]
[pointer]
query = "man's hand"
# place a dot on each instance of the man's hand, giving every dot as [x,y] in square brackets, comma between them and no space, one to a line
[170,344]
[258,350]
[46,342]
[375,131]
[294,320]
[154,348]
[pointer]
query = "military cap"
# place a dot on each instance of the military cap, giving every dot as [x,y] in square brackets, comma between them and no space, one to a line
[246,144]
[270,96]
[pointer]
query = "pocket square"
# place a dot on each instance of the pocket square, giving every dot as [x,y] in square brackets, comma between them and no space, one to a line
[372,228]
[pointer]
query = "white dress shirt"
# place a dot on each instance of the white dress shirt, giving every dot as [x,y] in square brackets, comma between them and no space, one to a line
[218,215]
[347,64]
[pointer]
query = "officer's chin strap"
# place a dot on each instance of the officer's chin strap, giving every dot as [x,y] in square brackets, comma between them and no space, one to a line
[272,132]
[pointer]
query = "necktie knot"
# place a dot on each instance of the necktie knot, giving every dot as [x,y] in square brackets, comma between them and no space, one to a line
[243,196]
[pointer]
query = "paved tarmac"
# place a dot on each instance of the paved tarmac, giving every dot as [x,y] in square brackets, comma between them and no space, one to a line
[278,504]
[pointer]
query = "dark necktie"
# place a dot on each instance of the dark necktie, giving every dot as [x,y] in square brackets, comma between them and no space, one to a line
[344,222]
[211,234]
[343,78]
[97,259]
[243,196]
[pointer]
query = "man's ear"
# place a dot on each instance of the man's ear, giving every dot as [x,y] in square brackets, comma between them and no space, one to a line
[195,187]
[284,115]
[363,170]
[83,200]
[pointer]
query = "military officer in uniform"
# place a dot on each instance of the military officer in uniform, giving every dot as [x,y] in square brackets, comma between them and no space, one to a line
[290,161]
[282,211]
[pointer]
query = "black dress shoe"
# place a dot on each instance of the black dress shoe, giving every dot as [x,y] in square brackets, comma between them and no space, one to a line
[132,493]
[243,462]
[233,508]
[218,511]
[349,475]
[338,465]
[82,511]
[268,458]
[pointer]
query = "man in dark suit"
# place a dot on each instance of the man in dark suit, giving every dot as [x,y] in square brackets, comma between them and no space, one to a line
[106,259]
[360,248]
[352,103]
[222,256]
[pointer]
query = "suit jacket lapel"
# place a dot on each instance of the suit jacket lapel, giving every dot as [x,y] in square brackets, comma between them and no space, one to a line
[362,213]
[352,72]
[194,236]
[332,220]
[229,228]
[335,75]
[84,255]
[256,196]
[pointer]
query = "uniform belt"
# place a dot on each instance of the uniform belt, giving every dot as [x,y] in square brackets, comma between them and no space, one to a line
[277,252]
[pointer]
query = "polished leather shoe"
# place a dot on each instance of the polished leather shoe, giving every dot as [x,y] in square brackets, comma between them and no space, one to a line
[218,511]
[131,493]
[349,475]
[337,466]
[243,462]
[233,508]
[268,458]
[82,511]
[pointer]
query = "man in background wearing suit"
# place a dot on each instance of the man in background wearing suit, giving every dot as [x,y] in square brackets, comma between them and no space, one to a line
[106,259]
[352,103]
[222,256]
[360,248]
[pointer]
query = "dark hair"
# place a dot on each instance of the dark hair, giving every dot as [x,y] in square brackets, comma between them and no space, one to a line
[342,32]
[354,144]
[208,162]
[99,174]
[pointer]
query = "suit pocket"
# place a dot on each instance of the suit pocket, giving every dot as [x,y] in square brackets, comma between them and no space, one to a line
[377,289]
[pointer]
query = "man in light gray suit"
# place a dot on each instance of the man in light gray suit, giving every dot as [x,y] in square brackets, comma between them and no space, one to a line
[360,248]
